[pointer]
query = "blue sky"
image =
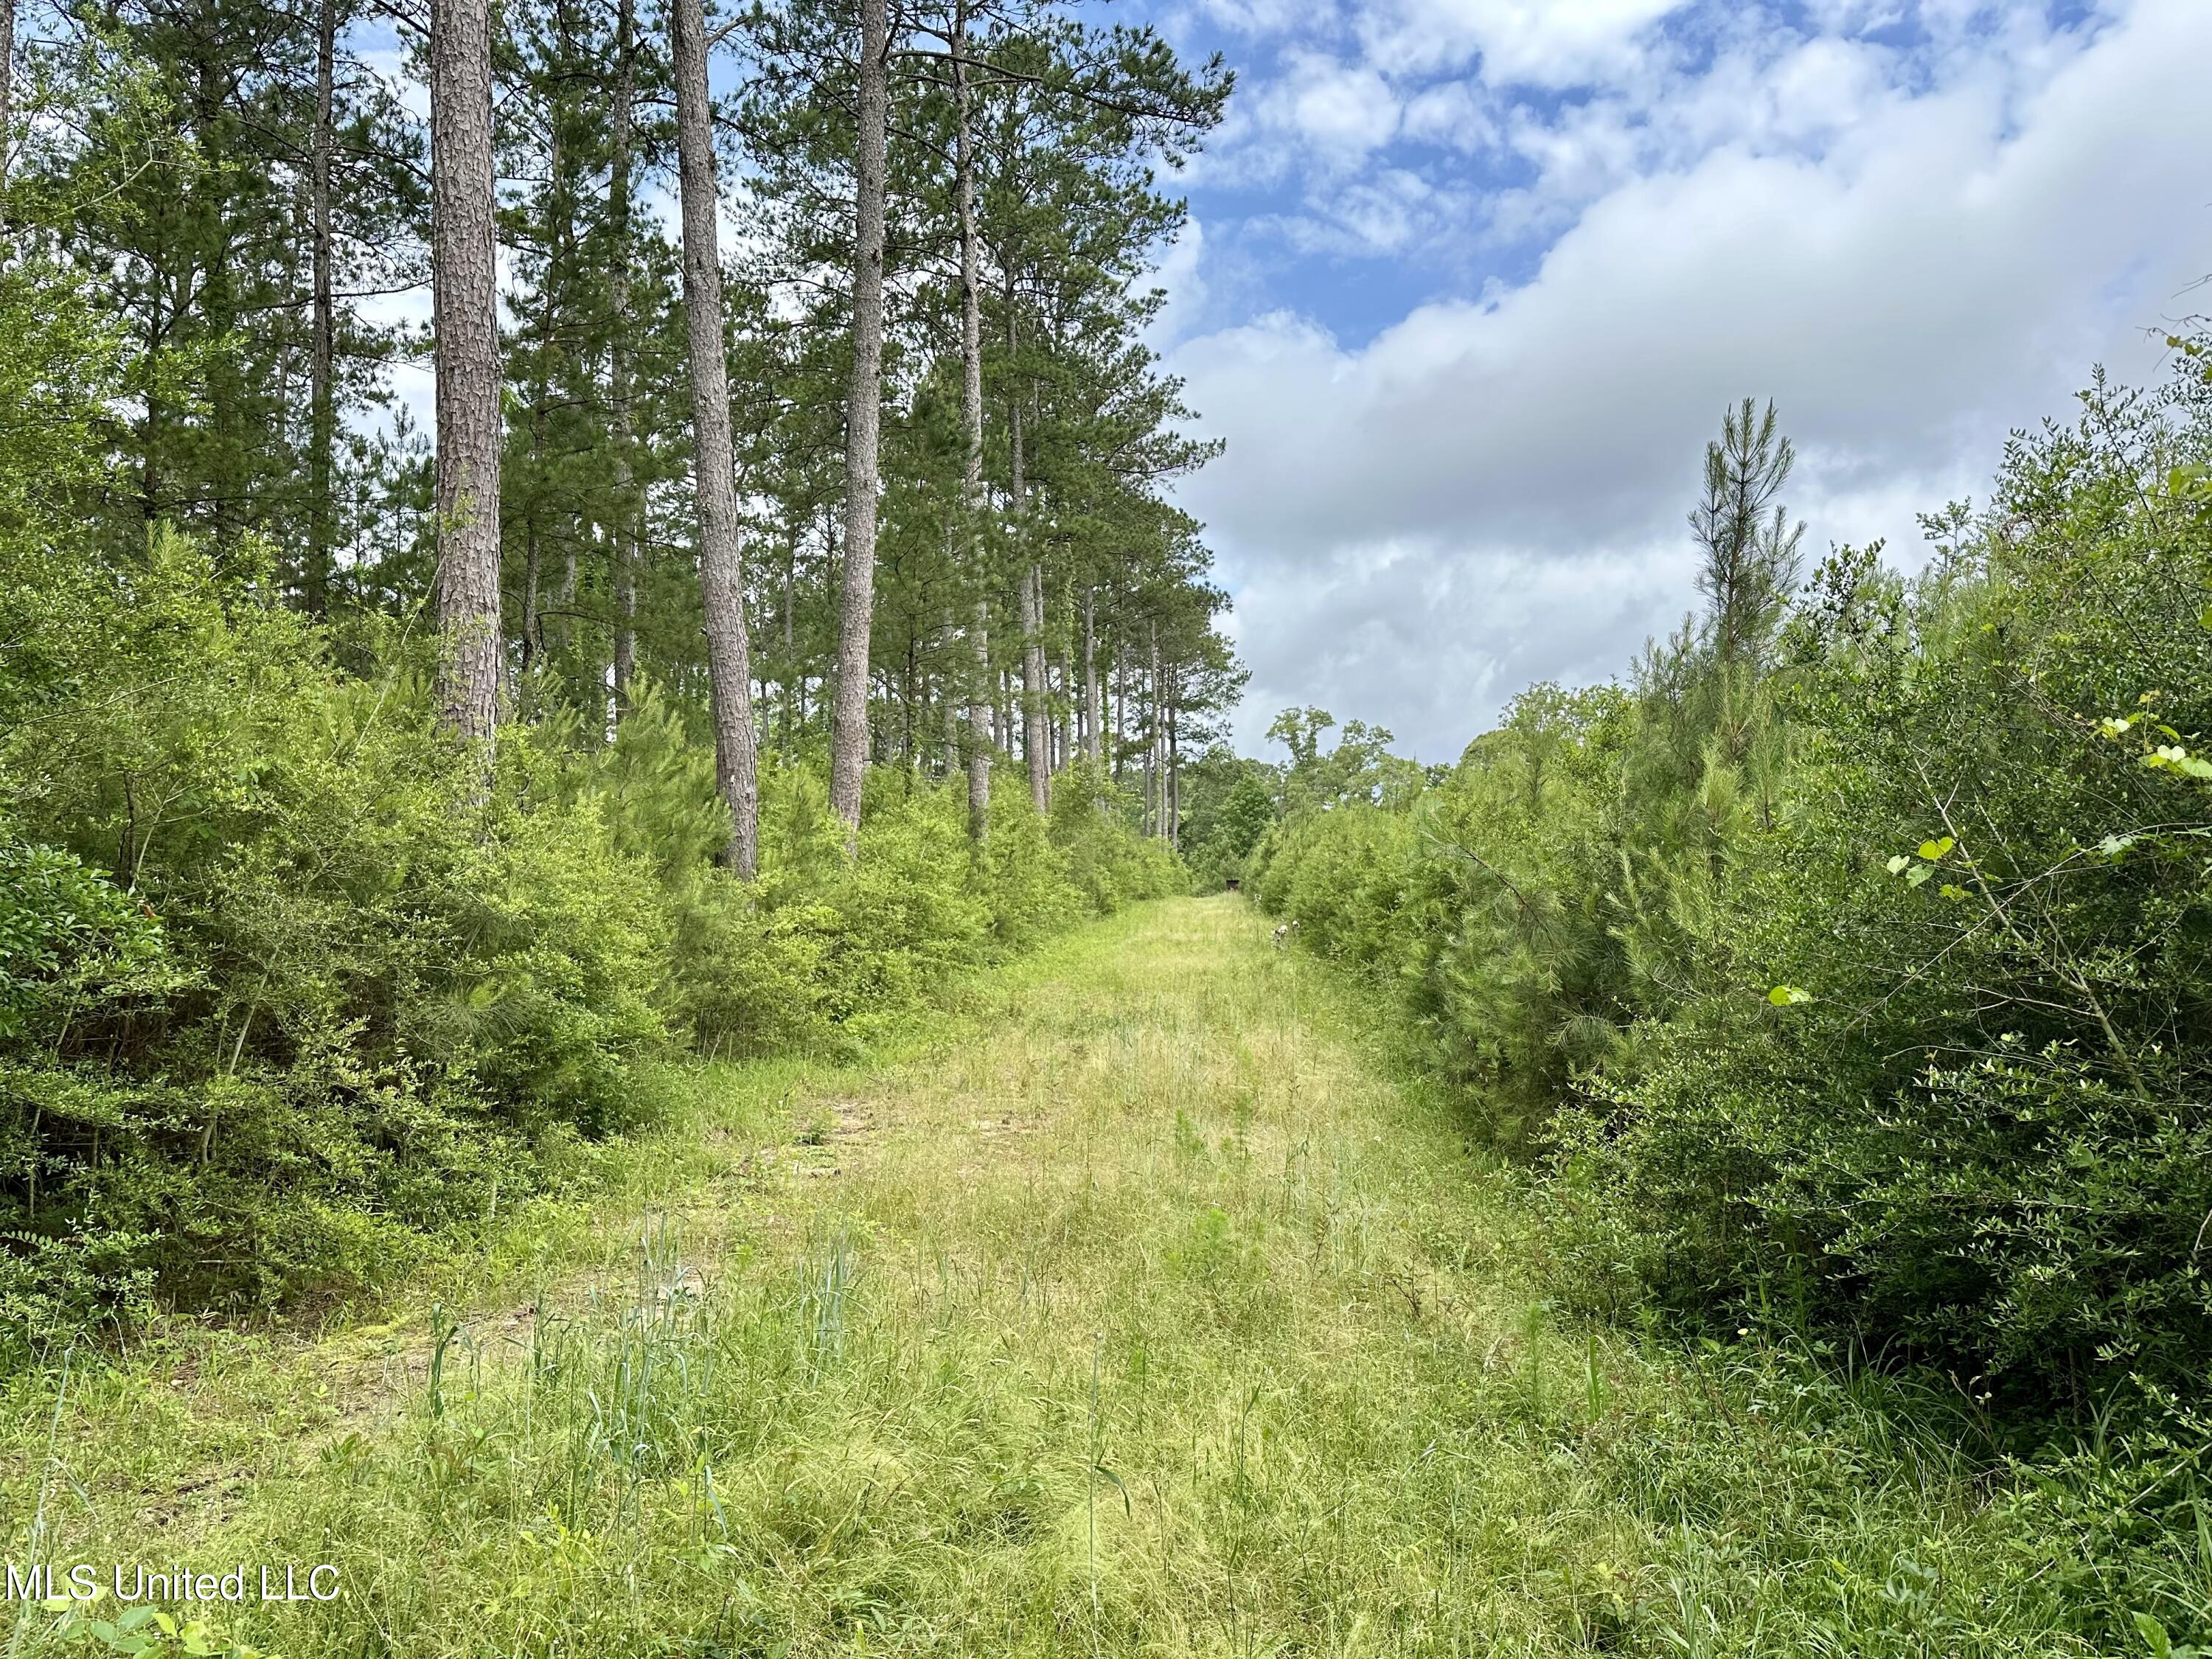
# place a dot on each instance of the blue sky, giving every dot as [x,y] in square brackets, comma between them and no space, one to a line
[1469,282]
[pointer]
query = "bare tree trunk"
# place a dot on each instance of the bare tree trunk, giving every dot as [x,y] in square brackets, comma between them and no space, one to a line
[1175,766]
[909,682]
[1152,713]
[1120,705]
[1079,690]
[982,732]
[790,661]
[160,315]
[1159,741]
[1036,733]
[530,578]
[848,725]
[568,589]
[948,678]
[7,84]
[530,552]
[1036,737]
[540,395]
[1064,712]
[322,403]
[971,418]
[1092,714]
[463,282]
[729,668]
[626,510]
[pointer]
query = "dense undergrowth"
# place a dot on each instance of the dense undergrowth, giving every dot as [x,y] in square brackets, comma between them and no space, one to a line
[1848,968]
[288,984]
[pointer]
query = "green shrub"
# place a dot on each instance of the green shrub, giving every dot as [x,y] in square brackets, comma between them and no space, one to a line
[1222,838]
[288,982]
[1864,977]
[338,988]
[1976,1122]
[1108,865]
[70,945]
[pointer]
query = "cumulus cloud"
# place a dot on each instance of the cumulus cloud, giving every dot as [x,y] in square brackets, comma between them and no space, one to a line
[1534,42]
[1341,111]
[1909,251]
[1430,647]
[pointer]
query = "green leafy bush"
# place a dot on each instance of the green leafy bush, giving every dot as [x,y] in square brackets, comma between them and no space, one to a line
[337,987]
[1857,968]
[287,981]
[1975,1109]
[821,943]
[1223,826]
[1110,867]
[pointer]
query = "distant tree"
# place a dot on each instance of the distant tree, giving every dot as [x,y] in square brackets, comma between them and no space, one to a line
[1360,769]
[1300,730]
[1245,816]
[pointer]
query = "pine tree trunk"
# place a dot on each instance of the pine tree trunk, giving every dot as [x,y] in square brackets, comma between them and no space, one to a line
[1037,734]
[1036,741]
[1093,713]
[1121,707]
[729,667]
[7,84]
[322,401]
[1155,816]
[848,726]
[216,385]
[466,310]
[626,508]
[154,349]
[1175,766]
[1159,740]
[1064,712]
[530,577]
[540,395]
[790,656]
[530,551]
[949,703]
[909,681]
[971,419]
[1079,690]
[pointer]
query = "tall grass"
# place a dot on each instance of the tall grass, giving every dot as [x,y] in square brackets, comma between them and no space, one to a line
[1166,1313]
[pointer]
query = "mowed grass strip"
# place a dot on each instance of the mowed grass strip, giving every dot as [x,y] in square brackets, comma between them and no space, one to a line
[1159,1313]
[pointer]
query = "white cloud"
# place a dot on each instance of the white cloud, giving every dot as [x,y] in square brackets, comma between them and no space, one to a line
[1544,43]
[1342,111]
[1457,114]
[1266,17]
[1182,276]
[1430,643]
[1824,87]
[1391,212]
[1491,491]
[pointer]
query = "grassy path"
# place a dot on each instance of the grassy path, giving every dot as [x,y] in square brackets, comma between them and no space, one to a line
[1160,1315]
